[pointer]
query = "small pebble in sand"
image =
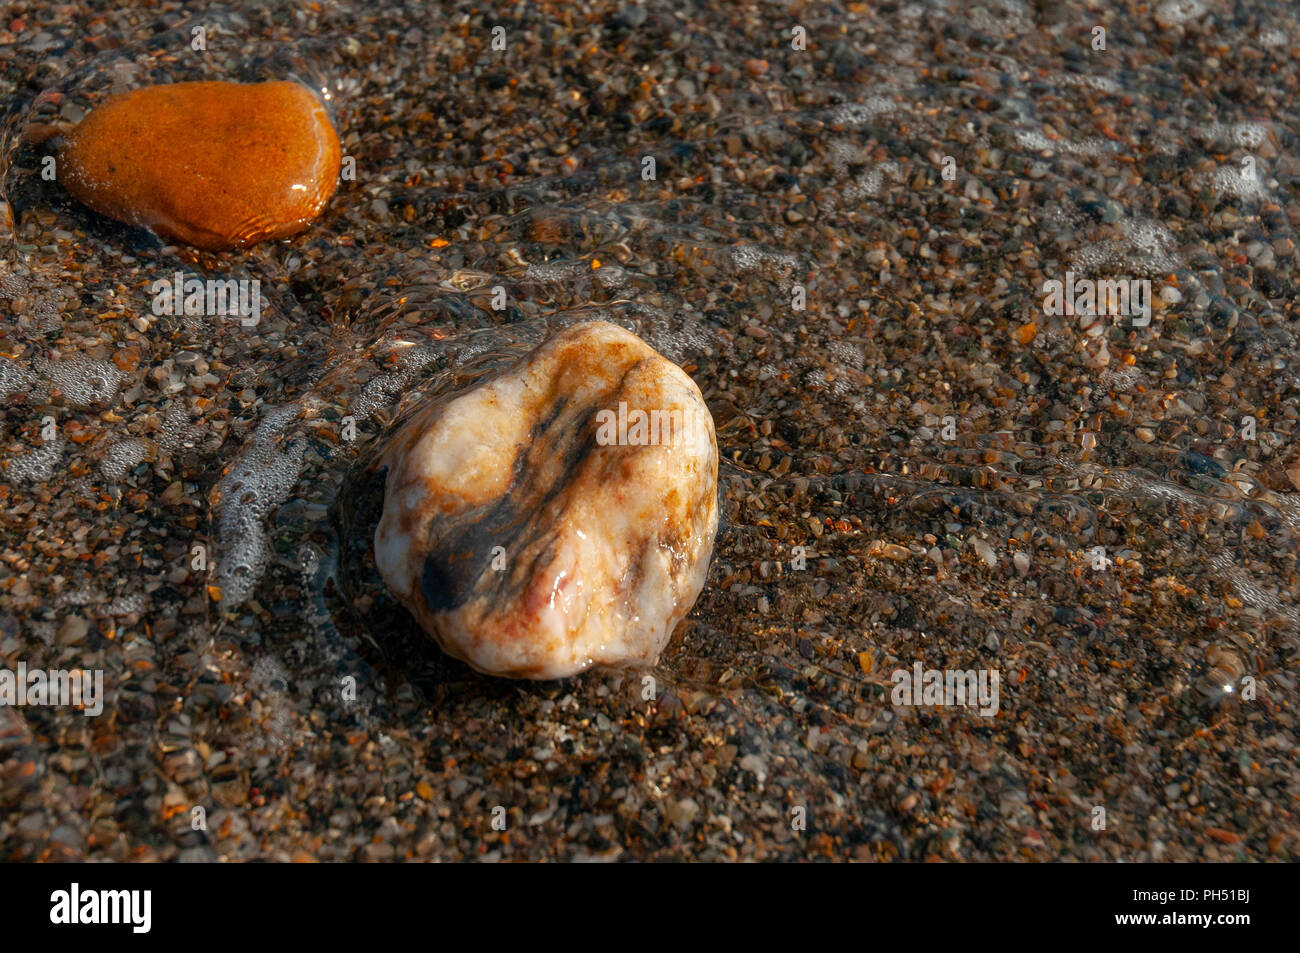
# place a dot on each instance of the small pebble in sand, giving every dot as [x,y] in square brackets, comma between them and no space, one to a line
[557,516]
[215,165]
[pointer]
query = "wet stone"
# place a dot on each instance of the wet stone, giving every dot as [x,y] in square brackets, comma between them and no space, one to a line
[215,165]
[558,516]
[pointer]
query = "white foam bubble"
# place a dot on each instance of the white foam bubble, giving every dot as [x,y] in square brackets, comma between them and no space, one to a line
[1250,134]
[14,378]
[1247,135]
[382,390]
[1121,379]
[1249,590]
[37,465]
[1236,182]
[555,271]
[82,381]
[1102,84]
[1038,142]
[1176,12]
[128,604]
[998,17]
[869,183]
[80,596]
[1144,250]
[847,354]
[753,257]
[858,114]
[843,153]
[1151,242]
[259,481]
[177,430]
[268,675]
[122,457]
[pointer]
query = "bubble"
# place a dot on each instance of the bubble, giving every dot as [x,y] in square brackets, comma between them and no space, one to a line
[38,465]
[81,596]
[1121,379]
[858,114]
[847,354]
[1176,12]
[755,258]
[384,389]
[845,152]
[122,457]
[126,605]
[1150,241]
[869,182]
[14,378]
[1004,17]
[82,381]
[1102,84]
[177,430]
[1144,485]
[559,270]
[268,675]
[244,555]
[260,480]
[1249,134]
[815,379]
[1235,182]
[1036,141]
[1144,250]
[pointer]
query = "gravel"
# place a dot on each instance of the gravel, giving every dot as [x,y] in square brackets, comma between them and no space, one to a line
[910,474]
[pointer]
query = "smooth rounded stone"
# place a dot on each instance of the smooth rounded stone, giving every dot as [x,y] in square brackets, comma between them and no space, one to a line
[531,525]
[215,165]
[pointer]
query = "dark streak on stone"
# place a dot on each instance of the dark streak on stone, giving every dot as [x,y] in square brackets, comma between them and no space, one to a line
[460,548]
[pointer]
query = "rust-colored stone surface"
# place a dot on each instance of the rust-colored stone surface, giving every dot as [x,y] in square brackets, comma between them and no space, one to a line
[215,165]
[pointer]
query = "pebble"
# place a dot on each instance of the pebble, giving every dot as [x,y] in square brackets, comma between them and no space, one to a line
[215,165]
[534,529]
[73,631]
[452,179]
[755,766]
[1293,474]
[984,551]
[681,814]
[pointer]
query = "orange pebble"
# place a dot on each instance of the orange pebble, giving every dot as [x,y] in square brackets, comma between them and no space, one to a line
[215,165]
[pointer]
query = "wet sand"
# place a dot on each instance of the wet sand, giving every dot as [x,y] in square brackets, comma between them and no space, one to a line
[921,463]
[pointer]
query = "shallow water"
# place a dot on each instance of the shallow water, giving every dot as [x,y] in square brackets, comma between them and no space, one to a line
[819,170]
